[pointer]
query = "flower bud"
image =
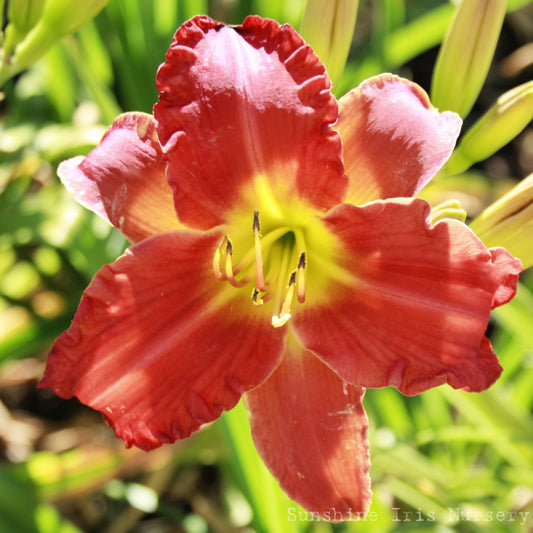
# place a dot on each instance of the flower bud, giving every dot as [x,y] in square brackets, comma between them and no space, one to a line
[22,15]
[508,222]
[58,18]
[466,54]
[328,26]
[503,122]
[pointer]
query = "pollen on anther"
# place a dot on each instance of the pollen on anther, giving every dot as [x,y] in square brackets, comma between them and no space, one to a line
[256,225]
[229,247]
[285,311]
[292,279]
[301,260]
[229,262]
[300,282]
[259,275]
[256,298]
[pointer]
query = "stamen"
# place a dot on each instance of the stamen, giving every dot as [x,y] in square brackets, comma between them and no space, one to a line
[285,312]
[259,275]
[300,282]
[229,266]
[217,261]
[280,245]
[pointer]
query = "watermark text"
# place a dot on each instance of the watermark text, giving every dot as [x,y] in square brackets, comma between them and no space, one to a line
[451,515]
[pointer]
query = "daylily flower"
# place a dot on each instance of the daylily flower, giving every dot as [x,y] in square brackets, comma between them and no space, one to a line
[254,272]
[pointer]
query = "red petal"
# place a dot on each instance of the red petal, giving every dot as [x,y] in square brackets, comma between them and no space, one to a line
[123,179]
[159,346]
[506,291]
[241,102]
[394,141]
[310,429]
[415,315]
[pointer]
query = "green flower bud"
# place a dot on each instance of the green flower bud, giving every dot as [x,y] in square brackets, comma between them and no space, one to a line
[466,54]
[57,19]
[328,26]
[22,15]
[509,222]
[503,122]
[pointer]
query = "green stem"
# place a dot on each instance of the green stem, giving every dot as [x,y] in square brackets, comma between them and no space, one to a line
[270,505]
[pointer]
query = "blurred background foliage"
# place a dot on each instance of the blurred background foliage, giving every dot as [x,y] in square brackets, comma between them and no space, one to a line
[445,461]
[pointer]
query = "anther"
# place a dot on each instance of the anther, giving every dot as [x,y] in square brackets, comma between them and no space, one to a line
[300,282]
[256,298]
[259,275]
[256,226]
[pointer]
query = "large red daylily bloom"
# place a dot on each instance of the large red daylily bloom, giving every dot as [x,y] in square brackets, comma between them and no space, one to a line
[278,253]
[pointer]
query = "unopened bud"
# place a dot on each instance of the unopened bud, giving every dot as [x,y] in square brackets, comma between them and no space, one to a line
[328,26]
[22,16]
[58,18]
[503,122]
[509,222]
[466,54]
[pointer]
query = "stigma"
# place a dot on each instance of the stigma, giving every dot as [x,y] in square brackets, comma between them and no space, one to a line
[275,263]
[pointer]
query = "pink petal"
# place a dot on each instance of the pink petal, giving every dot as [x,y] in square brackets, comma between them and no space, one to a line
[394,140]
[310,429]
[124,179]
[160,346]
[415,313]
[239,103]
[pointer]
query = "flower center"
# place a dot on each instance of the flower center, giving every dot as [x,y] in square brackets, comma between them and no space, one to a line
[277,262]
